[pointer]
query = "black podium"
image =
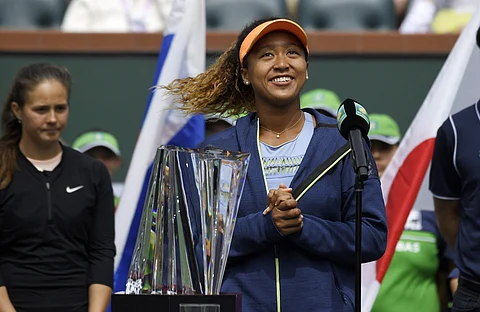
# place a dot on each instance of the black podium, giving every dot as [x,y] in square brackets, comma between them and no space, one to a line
[175,303]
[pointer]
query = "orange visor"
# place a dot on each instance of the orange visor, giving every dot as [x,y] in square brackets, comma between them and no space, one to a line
[261,30]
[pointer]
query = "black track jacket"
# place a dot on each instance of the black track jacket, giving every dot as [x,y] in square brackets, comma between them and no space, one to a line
[56,233]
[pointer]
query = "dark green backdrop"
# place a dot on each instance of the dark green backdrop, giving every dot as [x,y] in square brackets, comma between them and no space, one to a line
[110,91]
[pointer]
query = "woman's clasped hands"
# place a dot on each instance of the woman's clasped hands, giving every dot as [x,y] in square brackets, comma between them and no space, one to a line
[286,216]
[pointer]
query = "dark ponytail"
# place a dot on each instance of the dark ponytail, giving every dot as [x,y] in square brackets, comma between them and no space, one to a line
[27,79]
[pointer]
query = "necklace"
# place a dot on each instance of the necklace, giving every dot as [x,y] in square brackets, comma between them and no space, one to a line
[278,134]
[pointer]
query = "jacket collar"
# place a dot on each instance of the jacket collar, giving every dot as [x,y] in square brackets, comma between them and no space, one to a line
[24,164]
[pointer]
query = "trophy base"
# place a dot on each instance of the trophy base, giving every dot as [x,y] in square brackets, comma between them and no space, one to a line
[177,303]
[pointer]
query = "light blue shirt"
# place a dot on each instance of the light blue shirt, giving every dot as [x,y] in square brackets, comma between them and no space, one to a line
[281,162]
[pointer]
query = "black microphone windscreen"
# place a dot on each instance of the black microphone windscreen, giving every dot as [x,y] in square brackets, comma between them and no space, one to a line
[351,115]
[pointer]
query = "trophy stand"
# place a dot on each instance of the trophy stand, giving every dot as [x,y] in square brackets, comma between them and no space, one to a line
[177,303]
[185,233]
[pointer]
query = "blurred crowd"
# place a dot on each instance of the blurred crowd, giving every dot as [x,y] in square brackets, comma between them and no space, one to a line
[407,16]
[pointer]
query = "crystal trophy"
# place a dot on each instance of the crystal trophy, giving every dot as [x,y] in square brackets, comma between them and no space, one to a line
[187,221]
[220,177]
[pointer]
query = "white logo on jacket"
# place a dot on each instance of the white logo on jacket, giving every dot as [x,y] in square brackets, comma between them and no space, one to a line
[74,189]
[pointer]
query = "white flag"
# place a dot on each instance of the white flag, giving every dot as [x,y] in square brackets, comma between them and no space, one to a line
[405,181]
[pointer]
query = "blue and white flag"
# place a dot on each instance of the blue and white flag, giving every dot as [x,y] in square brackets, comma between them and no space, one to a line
[182,55]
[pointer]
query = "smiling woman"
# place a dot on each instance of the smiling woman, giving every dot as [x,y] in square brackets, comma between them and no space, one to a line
[286,255]
[56,204]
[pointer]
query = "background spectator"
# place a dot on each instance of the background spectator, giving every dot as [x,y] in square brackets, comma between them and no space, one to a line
[102,146]
[116,15]
[438,16]
[216,123]
[324,101]
[419,268]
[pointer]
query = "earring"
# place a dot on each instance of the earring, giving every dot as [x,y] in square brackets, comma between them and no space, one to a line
[19,121]
[246,82]
[307,77]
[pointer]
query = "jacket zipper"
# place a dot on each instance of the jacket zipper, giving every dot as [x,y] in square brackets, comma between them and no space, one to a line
[277,261]
[277,277]
[49,202]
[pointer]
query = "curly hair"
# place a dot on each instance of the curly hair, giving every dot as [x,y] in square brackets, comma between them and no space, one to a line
[220,89]
[27,79]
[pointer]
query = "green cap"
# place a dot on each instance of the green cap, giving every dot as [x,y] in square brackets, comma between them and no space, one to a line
[321,99]
[383,128]
[218,117]
[93,139]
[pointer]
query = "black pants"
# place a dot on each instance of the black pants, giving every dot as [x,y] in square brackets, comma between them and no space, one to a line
[467,296]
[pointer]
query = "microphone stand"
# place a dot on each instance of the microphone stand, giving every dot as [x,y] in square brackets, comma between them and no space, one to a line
[358,242]
[360,166]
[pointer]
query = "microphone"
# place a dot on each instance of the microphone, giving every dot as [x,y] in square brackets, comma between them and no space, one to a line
[478,37]
[353,123]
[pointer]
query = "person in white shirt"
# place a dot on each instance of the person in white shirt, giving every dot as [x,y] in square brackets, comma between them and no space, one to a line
[116,15]
[438,16]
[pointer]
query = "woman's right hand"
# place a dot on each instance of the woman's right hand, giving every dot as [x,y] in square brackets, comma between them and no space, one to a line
[286,216]
[288,219]
[5,303]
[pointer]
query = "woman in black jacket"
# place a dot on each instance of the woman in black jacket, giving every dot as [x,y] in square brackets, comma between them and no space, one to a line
[56,204]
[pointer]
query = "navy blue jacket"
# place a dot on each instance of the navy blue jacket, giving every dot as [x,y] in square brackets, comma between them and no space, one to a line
[315,267]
